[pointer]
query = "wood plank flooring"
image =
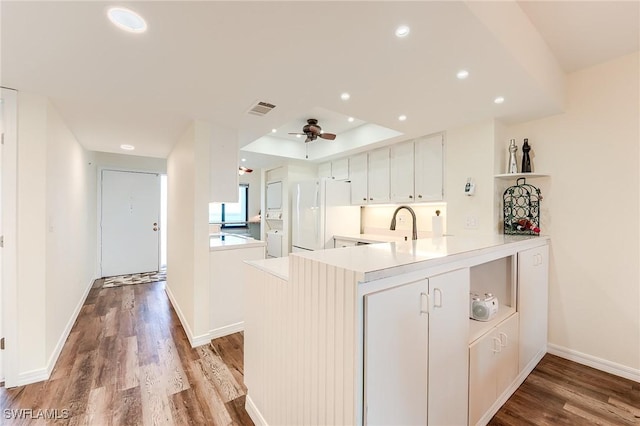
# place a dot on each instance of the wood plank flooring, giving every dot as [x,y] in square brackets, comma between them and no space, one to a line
[561,392]
[127,361]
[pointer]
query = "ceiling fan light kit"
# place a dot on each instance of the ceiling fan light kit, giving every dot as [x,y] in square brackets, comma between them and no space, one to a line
[313,131]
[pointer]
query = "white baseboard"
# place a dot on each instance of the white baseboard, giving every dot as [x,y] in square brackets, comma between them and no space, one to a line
[41,374]
[226,330]
[33,376]
[193,340]
[595,362]
[253,412]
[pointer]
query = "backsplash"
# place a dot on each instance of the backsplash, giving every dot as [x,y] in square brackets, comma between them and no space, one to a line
[376,219]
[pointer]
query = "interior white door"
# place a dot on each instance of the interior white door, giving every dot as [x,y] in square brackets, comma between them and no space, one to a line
[2,125]
[130,222]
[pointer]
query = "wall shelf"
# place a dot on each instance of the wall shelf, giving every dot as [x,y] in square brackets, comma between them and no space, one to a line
[520,175]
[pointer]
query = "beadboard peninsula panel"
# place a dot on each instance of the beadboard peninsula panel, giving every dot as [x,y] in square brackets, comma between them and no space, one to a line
[301,345]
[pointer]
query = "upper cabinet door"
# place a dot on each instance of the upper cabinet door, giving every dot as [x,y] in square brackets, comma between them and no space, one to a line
[324,170]
[429,168]
[401,172]
[359,179]
[378,184]
[340,169]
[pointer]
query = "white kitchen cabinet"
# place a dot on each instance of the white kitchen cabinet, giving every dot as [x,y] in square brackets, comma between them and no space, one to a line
[493,366]
[337,242]
[324,170]
[407,329]
[429,162]
[533,292]
[359,179]
[401,172]
[337,169]
[378,176]
[340,169]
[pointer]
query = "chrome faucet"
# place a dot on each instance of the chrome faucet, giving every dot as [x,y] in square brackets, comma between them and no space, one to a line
[413,215]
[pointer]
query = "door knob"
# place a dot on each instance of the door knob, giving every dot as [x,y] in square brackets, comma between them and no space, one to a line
[155,224]
[155,228]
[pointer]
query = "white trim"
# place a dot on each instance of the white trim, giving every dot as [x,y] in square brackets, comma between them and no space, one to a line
[253,412]
[595,362]
[41,374]
[33,376]
[226,330]
[182,318]
[9,281]
[67,330]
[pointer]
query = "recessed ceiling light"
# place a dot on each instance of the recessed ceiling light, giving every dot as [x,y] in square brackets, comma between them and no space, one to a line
[127,147]
[350,119]
[499,100]
[243,160]
[402,117]
[127,20]
[402,31]
[462,74]
[274,130]
[345,96]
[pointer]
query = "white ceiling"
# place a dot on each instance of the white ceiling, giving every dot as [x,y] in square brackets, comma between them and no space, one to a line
[213,60]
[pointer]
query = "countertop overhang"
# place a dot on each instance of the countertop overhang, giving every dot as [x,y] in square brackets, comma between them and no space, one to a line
[224,241]
[383,260]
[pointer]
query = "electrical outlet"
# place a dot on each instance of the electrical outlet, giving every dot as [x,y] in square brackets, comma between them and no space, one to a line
[471,222]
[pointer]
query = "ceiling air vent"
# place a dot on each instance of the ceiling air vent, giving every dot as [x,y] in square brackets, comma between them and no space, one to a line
[261,108]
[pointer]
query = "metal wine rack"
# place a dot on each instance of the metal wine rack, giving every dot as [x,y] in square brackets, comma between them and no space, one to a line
[521,201]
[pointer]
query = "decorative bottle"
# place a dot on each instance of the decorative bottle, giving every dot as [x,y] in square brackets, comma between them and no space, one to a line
[526,161]
[513,163]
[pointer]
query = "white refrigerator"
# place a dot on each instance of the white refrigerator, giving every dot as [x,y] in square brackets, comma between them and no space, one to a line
[321,209]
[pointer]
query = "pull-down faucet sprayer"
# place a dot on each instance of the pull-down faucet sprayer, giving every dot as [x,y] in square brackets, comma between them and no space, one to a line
[414,235]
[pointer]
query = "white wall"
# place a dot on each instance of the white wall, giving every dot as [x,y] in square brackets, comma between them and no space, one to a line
[469,153]
[56,234]
[130,162]
[592,198]
[188,178]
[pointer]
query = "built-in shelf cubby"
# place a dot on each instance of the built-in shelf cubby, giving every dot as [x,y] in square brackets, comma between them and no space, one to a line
[497,277]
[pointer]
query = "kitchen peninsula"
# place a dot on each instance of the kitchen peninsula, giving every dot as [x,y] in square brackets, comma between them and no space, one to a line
[227,252]
[380,333]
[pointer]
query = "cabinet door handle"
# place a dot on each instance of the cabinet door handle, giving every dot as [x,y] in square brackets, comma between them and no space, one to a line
[504,340]
[410,196]
[497,347]
[419,196]
[437,298]
[424,303]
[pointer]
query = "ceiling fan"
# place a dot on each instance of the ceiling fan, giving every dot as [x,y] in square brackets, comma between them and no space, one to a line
[312,131]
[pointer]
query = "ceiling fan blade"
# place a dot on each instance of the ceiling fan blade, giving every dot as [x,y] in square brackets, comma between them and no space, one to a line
[301,134]
[328,136]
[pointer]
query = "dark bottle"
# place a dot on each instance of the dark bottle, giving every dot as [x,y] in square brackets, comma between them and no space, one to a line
[526,161]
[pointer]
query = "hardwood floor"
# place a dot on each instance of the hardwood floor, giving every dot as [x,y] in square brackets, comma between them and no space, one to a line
[561,392]
[127,361]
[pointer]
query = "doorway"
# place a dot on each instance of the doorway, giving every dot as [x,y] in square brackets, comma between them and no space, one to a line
[8,226]
[129,222]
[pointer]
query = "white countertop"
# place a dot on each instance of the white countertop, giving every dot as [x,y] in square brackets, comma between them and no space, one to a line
[224,241]
[376,261]
[278,266]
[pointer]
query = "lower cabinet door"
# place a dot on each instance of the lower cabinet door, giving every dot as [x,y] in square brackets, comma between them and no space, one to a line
[493,366]
[508,369]
[483,366]
[396,345]
[449,348]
